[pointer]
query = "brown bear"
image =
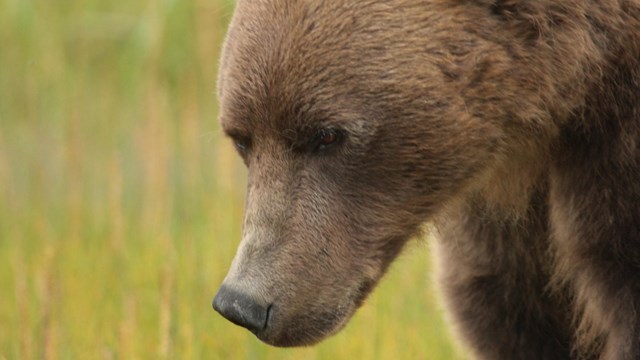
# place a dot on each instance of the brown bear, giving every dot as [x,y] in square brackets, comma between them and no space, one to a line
[511,125]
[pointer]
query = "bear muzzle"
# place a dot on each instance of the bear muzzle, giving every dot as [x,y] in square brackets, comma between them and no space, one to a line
[241,309]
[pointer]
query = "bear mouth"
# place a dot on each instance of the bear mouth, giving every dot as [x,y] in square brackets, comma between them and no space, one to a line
[265,327]
[293,333]
[268,318]
[308,328]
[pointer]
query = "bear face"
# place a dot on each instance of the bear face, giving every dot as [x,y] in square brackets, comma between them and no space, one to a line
[361,120]
[348,143]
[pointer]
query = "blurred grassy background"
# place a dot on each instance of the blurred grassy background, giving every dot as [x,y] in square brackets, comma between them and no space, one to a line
[121,203]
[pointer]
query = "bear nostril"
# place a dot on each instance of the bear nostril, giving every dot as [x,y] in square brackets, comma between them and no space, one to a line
[241,309]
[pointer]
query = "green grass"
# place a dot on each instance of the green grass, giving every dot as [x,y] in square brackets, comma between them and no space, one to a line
[121,203]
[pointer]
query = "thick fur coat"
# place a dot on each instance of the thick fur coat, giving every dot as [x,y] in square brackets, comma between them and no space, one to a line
[513,125]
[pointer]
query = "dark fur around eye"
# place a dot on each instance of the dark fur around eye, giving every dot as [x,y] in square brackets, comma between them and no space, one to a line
[325,139]
[242,144]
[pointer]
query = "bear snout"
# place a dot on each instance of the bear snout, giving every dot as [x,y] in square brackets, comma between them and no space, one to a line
[241,309]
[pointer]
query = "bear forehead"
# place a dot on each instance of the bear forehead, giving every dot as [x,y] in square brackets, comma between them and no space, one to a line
[277,64]
[291,61]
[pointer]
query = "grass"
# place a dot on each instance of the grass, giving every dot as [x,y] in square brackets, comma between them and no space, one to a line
[121,203]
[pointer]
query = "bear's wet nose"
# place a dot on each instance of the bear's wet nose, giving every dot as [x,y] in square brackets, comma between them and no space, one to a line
[240,309]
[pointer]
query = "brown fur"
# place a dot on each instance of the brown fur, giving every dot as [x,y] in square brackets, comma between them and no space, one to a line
[513,124]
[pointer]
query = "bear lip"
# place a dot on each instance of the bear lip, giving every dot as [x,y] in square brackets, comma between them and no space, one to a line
[268,317]
[261,331]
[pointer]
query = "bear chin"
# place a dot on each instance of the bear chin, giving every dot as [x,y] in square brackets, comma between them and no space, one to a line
[290,333]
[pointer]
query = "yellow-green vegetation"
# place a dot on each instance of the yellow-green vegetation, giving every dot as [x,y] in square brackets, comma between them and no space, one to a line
[121,201]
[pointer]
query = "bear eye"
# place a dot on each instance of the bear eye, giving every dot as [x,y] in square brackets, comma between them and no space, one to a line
[326,138]
[241,144]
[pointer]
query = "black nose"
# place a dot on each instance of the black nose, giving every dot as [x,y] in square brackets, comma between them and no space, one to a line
[240,309]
